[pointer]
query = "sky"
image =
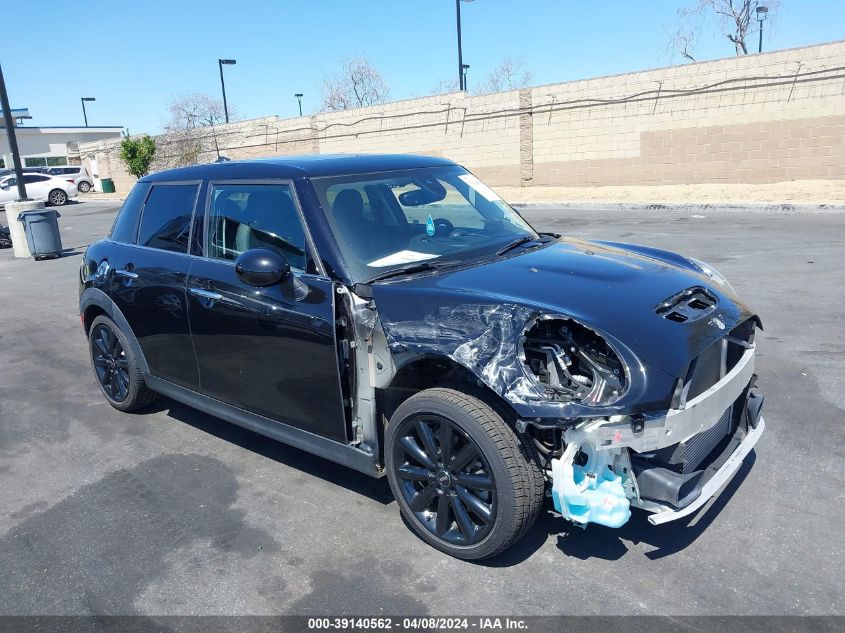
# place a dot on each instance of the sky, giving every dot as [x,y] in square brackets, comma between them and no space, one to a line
[136,57]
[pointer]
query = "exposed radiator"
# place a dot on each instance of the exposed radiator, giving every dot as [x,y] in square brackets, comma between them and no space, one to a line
[700,446]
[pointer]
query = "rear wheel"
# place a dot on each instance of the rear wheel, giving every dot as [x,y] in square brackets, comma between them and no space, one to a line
[116,368]
[461,476]
[84,186]
[57,197]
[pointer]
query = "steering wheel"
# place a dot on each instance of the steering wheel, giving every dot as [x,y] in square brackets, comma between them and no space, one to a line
[443,227]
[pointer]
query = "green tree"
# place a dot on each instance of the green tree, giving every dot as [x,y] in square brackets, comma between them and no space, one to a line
[137,153]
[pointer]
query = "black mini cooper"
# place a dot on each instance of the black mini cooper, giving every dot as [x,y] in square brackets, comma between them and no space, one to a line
[394,315]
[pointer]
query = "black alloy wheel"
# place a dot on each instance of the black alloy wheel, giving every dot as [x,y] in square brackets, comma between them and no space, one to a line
[117,367]
[445,480]
[463,478]
[110,363]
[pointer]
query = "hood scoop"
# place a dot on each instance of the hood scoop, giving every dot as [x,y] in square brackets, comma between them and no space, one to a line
[688,305]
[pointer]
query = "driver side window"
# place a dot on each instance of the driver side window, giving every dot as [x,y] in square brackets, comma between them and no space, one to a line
[247,216]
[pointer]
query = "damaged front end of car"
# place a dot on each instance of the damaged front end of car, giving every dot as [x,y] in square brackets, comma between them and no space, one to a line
[669,462]
[657,415]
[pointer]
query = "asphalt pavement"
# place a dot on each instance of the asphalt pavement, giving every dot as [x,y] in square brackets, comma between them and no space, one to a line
[175,512]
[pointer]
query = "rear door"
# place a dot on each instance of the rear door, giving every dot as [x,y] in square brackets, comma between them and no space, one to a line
[268,350]
[149,281]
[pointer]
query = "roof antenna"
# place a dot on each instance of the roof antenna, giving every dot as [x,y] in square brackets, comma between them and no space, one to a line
[220,159]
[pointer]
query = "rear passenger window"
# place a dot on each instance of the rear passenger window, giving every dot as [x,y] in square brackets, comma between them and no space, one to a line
[245,216]
[166,218]
[123,229]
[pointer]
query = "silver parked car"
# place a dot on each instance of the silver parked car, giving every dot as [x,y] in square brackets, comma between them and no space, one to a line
[81,178]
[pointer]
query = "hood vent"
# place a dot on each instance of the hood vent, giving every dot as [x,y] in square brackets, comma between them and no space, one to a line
[688,305]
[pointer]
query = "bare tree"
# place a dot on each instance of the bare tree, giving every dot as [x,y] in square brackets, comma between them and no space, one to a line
[509,74]
[359,84]
[196,110]
[444,86]
[736,19]
[682,42]
[189,132]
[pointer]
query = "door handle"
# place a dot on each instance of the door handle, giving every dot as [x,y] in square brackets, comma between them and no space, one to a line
[206,294]
[126,274]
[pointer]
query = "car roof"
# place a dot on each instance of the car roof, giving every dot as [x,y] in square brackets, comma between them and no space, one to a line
[315,165]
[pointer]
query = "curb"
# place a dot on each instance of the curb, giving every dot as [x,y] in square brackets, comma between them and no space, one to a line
[710,207]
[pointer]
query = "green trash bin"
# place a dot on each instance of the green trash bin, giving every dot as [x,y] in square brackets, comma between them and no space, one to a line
[108,185]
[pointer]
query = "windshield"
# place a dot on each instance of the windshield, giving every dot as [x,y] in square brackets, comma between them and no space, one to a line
[388,220]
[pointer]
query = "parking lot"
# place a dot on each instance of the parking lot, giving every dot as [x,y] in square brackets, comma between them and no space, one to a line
[175,512]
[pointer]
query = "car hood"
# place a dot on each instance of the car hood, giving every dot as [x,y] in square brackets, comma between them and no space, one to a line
[612,288]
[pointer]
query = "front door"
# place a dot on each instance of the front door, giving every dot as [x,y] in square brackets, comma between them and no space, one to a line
[269,350]
[150,279]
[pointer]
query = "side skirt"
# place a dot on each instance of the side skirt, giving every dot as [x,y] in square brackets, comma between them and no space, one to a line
[343,454]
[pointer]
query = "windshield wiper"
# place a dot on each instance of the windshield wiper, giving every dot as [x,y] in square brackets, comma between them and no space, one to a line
[409,269]
[543,239]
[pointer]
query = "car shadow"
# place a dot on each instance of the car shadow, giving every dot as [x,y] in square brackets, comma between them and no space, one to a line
[604,543]
[596,541]
[376,489]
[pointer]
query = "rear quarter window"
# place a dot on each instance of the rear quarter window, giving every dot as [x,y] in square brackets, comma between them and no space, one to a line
[166,217]
[123,229]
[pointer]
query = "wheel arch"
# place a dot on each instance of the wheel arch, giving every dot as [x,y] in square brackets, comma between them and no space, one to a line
[438,370]
[93,303]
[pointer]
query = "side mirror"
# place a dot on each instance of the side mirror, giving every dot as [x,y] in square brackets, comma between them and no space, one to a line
[261,267]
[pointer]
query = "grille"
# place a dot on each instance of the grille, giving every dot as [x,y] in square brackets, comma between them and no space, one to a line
[700,446]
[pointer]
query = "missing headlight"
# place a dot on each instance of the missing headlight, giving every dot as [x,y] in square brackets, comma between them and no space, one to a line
[573,363]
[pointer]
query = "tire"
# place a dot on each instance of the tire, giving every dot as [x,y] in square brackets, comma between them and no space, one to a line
[501,490]
[116,368]
[57,198]
[84,186]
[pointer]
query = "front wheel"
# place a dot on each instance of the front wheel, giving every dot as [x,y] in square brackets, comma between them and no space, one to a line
[461,476]
[57,197]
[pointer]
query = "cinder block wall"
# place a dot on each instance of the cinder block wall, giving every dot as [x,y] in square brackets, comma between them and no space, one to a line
[760,118]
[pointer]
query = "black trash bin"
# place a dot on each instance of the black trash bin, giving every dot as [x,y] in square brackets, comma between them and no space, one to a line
[42,232]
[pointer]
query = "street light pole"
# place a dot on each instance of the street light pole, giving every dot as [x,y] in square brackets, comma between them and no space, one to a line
[299,96]
[13,139]
[762,14]
[465,68]
[84,113]
[460,52]
[220,63]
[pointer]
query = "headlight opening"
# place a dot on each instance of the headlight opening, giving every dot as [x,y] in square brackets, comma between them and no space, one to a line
[572,363]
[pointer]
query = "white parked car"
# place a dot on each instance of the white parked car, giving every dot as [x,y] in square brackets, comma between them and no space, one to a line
[80,176]
[51,189]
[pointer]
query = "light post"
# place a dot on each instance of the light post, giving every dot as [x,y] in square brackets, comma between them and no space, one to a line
[228,62]
[464,69]
[762,14]
[13,140]
[84,113]
[299,96]
[461,71]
